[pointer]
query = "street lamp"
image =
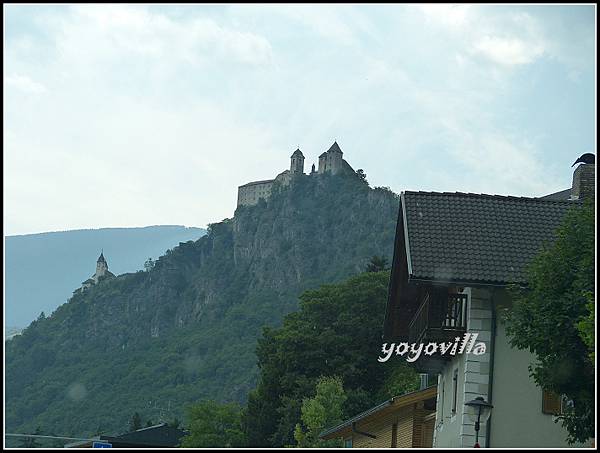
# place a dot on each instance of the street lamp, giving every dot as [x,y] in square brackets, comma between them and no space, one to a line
[478,410]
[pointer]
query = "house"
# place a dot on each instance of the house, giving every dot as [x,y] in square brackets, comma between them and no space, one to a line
[157,436]
[454,256]
[404,421]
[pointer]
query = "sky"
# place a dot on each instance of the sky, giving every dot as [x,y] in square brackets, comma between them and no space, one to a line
[126,115]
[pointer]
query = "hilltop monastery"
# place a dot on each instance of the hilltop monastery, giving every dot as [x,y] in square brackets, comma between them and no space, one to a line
[330,161]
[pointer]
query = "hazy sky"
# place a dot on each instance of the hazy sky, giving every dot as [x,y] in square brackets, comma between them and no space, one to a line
[132,116]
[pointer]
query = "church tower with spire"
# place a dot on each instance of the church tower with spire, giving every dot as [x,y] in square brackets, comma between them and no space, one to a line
[101,273]
[101,266]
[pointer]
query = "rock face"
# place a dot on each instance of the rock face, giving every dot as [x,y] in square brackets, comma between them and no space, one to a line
[187,328]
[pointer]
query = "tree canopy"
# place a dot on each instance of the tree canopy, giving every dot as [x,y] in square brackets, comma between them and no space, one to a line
[214,425]
[553,317]
[336,332]
[323,410]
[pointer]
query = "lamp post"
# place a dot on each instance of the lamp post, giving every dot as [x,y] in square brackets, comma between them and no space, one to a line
[478,410]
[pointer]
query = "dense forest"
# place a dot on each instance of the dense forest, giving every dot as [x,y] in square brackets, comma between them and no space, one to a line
[186,329]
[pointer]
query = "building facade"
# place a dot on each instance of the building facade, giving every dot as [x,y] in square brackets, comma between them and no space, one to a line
[455,255]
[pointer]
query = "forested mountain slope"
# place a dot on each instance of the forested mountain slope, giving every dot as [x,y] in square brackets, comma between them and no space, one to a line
[187,329]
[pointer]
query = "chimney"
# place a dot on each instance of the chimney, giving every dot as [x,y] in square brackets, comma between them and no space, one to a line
[584,182]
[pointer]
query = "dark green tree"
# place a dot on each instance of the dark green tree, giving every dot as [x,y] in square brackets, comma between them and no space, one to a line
[214,425]
[547,313]
[377,264]
[324,410]
[362,175]
[587,324]
[135,423]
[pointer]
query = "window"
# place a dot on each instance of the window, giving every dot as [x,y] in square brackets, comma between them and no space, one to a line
[424,382]
[551,403]
[454,390]
[394,435]
[348,443]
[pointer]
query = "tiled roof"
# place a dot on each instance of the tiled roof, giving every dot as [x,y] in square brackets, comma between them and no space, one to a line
[472,238]
[158,435]
[562,195]
[297,153]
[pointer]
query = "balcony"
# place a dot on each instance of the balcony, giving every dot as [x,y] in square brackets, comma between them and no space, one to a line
[440,318]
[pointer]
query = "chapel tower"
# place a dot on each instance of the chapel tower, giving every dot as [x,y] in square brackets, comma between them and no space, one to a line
[297,162]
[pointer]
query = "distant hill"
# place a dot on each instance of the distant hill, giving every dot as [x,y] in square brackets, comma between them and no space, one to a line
[42,270]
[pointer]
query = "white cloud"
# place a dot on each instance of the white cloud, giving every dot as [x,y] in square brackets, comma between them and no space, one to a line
[24,84]
[504,37]
[342,24]
[110,32]
[508,51]
[453,16]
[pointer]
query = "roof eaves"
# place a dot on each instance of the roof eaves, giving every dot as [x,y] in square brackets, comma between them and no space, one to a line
[492,196]
[459,282]
[422,394]
[356,418]
[406,237]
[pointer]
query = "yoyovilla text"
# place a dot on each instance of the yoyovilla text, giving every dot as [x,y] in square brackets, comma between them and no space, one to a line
[464,345]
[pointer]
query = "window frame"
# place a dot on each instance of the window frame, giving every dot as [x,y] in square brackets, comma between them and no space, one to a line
[454,391]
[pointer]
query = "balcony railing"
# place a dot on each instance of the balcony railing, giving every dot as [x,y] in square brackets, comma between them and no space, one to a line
[439,318]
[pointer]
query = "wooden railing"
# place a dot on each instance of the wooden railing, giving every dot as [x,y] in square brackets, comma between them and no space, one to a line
[439,317]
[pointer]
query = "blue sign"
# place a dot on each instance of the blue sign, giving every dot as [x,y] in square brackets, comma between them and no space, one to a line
[101,445]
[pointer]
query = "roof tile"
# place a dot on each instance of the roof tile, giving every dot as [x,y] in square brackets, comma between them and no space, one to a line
[475,237]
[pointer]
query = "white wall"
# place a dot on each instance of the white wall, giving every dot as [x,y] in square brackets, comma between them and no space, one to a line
[518,420]
[457,430]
